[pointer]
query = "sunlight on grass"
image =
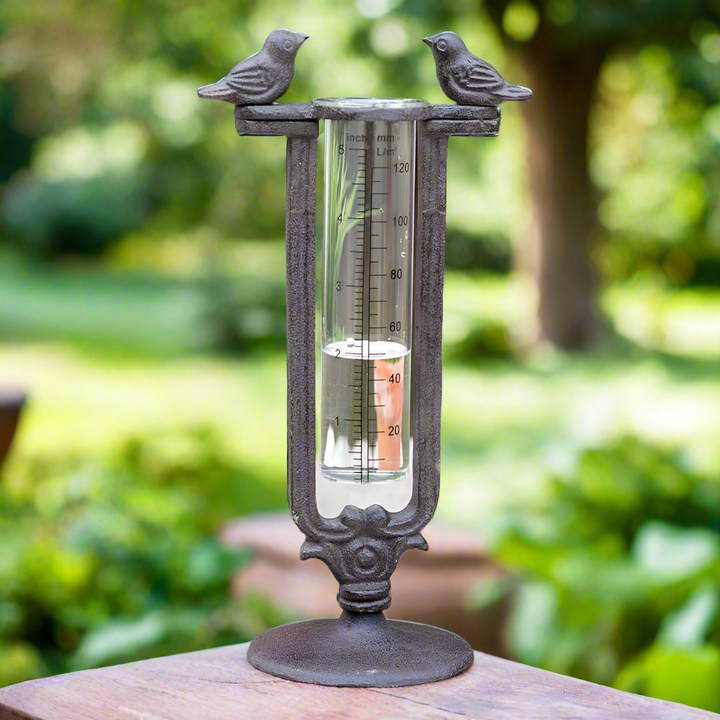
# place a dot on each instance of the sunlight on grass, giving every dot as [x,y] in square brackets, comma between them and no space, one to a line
[507,423]
[505,426]
[685,322]
[506,429]
[83,405]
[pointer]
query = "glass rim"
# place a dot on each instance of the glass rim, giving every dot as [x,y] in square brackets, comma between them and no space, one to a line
[362,103]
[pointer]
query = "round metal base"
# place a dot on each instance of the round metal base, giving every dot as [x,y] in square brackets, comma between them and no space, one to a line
[360,650]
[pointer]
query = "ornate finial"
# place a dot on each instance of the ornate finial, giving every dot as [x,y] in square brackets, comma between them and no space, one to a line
[263,77]
[467,79]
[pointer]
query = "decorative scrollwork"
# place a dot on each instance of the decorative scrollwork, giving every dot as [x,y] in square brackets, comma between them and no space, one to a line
[363,547]
[362,553]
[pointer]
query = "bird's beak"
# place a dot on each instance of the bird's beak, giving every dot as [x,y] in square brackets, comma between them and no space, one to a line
[302,37]
[216,90]
[430,40]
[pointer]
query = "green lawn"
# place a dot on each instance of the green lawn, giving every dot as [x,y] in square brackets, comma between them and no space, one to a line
[505,425]
[111,311]
[107,356]
[132,311]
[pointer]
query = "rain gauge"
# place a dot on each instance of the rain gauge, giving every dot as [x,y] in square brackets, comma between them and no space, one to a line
[364,469]
[365,410]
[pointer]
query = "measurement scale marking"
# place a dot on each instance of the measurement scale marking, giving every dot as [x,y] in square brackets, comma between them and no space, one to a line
[368,211]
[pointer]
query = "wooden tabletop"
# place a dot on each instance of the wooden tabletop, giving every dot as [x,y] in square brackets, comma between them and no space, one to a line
[220,685]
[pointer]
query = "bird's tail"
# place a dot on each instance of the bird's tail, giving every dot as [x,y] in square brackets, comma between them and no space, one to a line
[217,91]
[514,92]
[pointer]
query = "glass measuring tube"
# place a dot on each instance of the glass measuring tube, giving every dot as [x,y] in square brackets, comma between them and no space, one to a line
[365,419]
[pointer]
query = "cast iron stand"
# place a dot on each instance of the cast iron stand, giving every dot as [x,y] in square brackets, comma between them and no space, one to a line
[362,547]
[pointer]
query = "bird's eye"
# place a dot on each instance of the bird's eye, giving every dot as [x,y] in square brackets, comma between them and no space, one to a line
[288,45]
[442,45]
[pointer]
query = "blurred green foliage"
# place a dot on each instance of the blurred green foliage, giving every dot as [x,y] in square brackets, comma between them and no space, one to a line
[471,251]
[74,218]
[619,574]
[106,136]
[659,179]
[141,313]
[160,233]
[504,423]
[110,561]
[240,316]
[109,138]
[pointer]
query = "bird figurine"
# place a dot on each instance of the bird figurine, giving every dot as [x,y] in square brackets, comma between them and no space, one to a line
[263,77]
[467,79]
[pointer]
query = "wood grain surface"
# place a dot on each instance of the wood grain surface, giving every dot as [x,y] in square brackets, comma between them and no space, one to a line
[220,685]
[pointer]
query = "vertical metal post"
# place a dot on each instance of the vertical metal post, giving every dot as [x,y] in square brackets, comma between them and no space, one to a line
[430,273]
[300,248]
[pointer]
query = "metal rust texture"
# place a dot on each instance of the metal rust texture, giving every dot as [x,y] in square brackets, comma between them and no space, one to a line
[300,291]
[284,119]
[464,128]
[362,547]
[463,112]
[360,650]
[282,128]
[276,111]
[298,112]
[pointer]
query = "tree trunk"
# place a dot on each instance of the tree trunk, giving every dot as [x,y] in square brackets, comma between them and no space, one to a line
[564,201]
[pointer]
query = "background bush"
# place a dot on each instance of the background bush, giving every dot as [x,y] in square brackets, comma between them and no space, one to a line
[111,561]
[141,294]
[619,575]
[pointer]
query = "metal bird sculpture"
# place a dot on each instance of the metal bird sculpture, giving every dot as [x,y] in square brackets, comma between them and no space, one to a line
[263,77]
[467,79]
